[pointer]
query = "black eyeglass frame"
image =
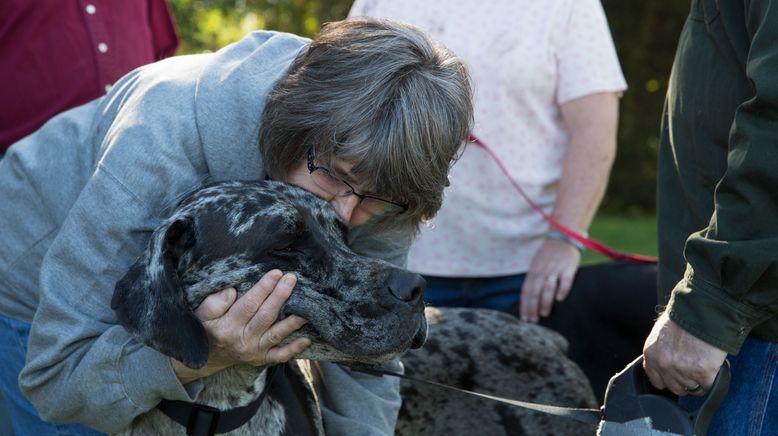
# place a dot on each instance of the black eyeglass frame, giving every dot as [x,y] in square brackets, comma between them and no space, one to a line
[313,167]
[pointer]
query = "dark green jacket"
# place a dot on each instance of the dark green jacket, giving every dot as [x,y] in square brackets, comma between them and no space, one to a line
[718,175]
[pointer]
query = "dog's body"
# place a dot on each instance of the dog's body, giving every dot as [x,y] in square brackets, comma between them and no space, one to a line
[493,353]
[359,311]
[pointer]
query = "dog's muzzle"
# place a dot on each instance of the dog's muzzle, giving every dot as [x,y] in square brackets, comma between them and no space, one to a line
[409,288]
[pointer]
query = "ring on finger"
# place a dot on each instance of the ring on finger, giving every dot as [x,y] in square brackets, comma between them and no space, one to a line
[552,279]
[694,389]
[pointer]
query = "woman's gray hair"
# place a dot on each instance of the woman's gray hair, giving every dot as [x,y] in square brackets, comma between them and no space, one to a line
[382,96]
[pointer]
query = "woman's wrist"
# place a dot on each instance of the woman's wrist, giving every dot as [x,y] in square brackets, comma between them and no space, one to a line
[187,375]
[564,237]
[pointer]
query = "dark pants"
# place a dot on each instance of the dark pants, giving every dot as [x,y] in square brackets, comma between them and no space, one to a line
[606,318]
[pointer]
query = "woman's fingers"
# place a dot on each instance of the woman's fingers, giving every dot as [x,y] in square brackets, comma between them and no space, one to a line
[287,352]
[530,295]
[269,347]
[249,303]
[550,278]
[216,305]
[268,311]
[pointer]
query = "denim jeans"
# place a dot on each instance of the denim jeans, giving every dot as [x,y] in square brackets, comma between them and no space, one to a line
[496,293]
[751,406]
[24,417]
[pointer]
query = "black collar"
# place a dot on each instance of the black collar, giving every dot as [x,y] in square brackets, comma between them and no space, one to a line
[202,420]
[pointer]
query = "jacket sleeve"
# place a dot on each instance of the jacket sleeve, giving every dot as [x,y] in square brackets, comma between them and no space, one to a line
[81,365]
[731,279]
[354,403]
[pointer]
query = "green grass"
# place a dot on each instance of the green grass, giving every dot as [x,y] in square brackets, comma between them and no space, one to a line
[622,233]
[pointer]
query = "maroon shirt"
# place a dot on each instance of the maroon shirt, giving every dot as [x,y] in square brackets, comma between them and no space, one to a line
[57,54]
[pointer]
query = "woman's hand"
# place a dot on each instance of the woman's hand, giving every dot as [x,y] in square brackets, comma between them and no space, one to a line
[246,331]
[550,277]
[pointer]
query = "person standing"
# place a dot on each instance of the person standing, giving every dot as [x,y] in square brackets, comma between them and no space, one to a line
[547,87]
[717,179]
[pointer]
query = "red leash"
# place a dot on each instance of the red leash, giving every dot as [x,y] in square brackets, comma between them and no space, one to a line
[586,241]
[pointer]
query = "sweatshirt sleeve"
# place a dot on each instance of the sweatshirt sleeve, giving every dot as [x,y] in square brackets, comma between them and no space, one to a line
[81,365]
[730,282]
[354,403]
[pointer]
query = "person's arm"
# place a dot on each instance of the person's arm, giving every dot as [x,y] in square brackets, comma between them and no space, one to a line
[591,122]
[588,89]
[81,365]
[729,286]
[357,403]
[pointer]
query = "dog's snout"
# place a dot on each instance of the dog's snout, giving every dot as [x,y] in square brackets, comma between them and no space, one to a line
[406,286]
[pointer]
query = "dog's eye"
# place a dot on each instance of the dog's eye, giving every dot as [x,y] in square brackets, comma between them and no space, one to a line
[288,249]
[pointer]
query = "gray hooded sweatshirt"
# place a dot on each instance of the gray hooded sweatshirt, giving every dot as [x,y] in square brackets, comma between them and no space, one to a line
[79,200]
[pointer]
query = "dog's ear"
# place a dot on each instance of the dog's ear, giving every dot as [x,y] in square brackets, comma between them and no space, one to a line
[150,302]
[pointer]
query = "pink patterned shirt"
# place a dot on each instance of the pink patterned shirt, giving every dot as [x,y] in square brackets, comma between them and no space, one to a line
[526,57]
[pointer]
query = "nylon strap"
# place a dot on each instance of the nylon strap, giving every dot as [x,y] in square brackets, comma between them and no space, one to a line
[202,420]
[589,416]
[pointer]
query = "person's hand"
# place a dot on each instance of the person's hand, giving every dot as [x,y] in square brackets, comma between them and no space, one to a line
[676,360]
[246,331]
[550,277]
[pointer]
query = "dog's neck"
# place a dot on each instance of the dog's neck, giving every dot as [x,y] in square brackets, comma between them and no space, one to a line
[233,387]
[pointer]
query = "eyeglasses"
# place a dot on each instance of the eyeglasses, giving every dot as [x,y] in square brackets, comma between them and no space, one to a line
[334,185]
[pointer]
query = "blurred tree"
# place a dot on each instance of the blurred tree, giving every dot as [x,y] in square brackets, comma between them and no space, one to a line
[208,25]
[646,34]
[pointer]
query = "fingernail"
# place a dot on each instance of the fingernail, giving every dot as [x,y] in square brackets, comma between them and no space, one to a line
[289,279]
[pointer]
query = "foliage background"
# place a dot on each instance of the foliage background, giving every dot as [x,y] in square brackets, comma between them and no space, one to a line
[645,33]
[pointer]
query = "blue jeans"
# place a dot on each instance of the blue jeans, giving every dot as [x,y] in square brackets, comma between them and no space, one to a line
[496,293]
[751,406]
[24,417]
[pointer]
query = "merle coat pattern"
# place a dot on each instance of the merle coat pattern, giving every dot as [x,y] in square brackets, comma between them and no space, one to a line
[359,310]
[493,353]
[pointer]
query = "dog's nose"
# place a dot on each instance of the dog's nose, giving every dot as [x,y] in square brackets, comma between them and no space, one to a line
[406,286]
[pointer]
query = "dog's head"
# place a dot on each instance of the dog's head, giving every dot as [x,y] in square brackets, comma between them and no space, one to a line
[359,310]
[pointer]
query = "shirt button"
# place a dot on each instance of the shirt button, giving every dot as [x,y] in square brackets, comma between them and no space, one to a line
[103,47]
[108,88]
[91,9]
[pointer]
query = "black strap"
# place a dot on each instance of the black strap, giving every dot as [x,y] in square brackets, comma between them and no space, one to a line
[589,416]
[202,420]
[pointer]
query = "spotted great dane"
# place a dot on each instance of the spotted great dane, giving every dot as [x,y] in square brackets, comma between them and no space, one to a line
[360,311]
